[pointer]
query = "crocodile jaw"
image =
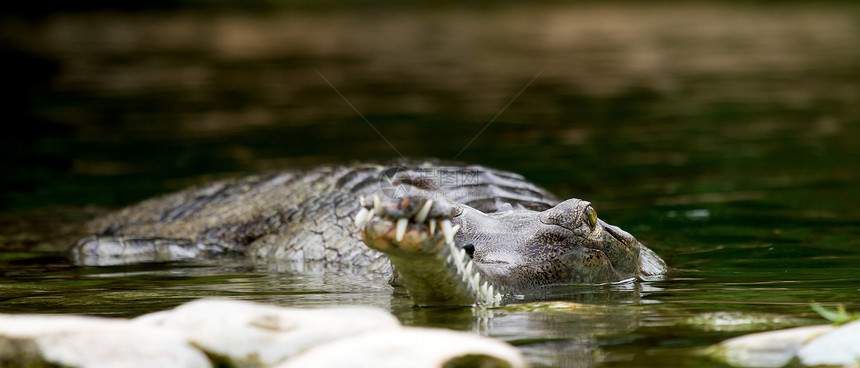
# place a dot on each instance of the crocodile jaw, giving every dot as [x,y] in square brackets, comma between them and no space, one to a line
[434,269]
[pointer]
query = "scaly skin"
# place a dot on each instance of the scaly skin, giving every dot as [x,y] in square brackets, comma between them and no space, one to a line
[487,234]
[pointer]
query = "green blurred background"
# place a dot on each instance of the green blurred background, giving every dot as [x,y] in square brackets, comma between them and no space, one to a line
[108,103]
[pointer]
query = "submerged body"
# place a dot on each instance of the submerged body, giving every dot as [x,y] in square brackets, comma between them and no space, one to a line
[455,234]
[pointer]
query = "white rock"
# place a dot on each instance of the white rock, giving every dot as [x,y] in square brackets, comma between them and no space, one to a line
[768,349]
[89,342]
[245,334]
[252,334]
[838,347]
[409,347]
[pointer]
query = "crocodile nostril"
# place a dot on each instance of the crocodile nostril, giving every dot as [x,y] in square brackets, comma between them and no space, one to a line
[470,250]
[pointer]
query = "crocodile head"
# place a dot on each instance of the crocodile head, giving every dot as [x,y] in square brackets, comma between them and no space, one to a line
[447,253]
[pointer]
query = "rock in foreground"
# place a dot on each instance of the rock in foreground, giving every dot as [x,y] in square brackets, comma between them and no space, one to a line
[822,345]
[242,334]
[50,340]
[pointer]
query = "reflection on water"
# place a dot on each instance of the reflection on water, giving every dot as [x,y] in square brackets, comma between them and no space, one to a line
[723,136]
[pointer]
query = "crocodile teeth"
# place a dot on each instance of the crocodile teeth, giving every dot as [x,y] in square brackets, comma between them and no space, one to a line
[455,229]
[361,201]
[377,204]
[446,231]
[401,229]
[432,227]
[362,217]
[422,214]
[453,249]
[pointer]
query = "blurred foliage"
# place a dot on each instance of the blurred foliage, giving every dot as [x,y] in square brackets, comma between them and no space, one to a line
[42,8]
[837,316]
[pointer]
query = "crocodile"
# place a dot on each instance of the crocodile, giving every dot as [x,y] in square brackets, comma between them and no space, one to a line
[452,234]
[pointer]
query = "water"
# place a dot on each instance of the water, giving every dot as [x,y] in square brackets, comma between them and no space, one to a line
[722,135]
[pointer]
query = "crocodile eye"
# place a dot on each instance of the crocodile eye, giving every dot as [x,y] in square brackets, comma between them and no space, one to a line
[591,217]
[571,214]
